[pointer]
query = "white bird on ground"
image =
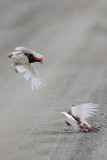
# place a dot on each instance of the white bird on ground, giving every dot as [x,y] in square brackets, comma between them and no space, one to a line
[22,61]
[76,117]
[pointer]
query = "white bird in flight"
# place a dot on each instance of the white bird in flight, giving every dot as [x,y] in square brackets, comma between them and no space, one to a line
[22,61]
[76,117]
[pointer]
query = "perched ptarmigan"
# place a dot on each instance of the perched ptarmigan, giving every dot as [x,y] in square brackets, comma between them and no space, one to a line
[76,117]
[22,61]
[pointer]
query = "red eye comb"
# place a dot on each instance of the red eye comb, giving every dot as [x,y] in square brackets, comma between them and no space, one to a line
[73,105]
[41,59]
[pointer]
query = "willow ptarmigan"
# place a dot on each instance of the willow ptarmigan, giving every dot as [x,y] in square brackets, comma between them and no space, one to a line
[76,117]
[22,61]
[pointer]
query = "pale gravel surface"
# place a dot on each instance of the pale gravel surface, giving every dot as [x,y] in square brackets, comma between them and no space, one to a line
[72,36]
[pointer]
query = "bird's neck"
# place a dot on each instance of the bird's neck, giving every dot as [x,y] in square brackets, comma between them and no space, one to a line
[33,59]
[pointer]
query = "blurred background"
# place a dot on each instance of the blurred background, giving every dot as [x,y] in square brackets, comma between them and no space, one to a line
[72,36]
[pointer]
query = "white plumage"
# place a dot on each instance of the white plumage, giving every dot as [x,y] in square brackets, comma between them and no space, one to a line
[84,111]
[23,64]
[71,121]
[78,115]
[26,50]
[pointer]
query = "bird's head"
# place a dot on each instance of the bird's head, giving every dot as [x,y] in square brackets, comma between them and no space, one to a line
[38,60]
[33,58]
[73,105]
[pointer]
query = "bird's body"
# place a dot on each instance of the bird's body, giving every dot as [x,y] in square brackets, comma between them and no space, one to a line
[22,61]
[76,117]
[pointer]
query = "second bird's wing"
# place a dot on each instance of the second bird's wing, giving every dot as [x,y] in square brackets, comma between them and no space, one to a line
[84,111]
[30,72]
[71,121]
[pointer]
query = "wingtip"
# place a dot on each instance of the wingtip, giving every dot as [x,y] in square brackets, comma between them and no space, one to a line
[37,82]
[64,113]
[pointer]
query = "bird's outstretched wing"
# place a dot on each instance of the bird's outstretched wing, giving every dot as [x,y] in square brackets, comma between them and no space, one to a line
[30,72]
[84,111]
[71,121]
[26,50]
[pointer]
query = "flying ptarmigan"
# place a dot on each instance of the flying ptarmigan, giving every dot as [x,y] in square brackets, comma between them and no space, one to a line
[22,61]
[76,117]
